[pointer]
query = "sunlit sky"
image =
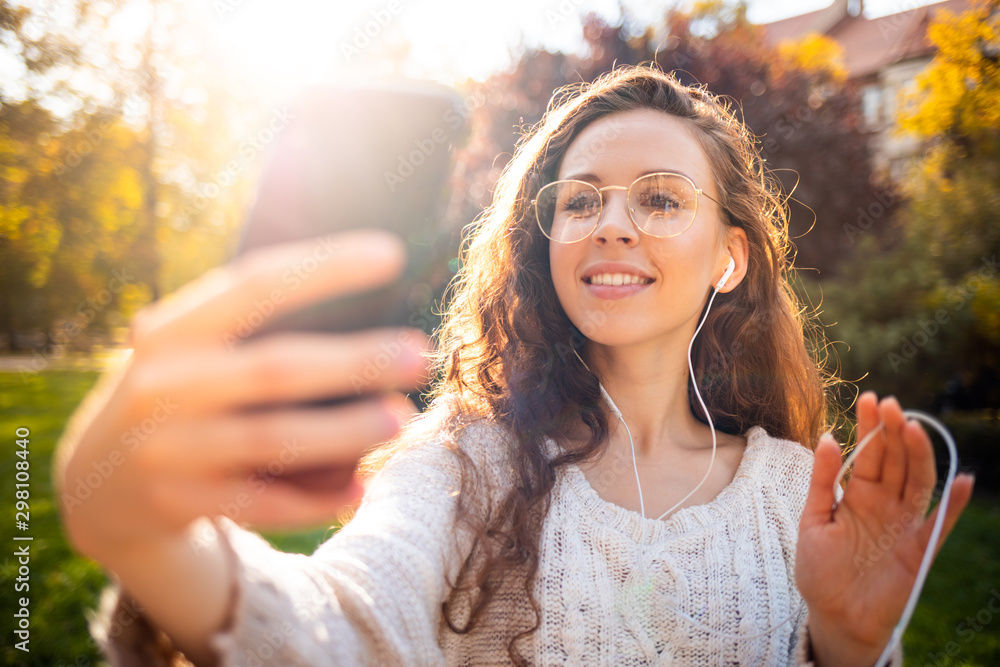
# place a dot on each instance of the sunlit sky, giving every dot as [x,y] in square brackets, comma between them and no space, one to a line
[283,44]
[448,38]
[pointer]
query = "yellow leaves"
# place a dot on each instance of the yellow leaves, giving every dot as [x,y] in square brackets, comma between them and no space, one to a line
[34,232]
[960,91]
[42,234]
[133,296]
[814,53]
[12,218]
[120,202]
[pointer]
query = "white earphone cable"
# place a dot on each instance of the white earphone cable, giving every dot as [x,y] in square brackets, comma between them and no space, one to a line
[701,401]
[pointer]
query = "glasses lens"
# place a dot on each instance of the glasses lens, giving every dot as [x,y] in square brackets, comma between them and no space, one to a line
[568,210]
[663,204]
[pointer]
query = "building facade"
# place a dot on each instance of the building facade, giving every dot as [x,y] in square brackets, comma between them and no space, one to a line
[884,56]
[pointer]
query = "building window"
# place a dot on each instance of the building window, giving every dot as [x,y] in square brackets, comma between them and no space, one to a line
[871,105]
[908,96]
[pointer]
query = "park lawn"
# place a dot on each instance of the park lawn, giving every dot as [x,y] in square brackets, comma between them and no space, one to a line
[962,583]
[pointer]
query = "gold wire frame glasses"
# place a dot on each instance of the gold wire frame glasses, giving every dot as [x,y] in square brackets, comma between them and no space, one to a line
[663,205]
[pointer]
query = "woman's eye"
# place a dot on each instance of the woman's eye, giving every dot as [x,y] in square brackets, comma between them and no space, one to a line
[579,204]
[661,200]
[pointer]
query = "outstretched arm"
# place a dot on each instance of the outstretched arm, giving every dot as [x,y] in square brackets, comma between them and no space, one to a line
[175,431]
[856,565]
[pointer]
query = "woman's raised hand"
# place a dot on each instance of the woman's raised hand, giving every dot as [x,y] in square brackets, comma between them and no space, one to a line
[856,565]
[169,438]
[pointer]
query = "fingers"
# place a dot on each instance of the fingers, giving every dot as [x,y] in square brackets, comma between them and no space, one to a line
[868,464]
[267,282]
[921,475]
[264,503]
[278,441]
[819,502]
[961,492]
[284,368]
[896,452]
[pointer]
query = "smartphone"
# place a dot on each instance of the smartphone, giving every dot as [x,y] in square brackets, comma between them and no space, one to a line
[372,155]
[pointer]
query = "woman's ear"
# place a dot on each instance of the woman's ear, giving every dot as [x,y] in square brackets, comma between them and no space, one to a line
[738,248]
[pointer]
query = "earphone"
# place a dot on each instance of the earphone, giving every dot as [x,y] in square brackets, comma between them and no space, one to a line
[725,276]
[918,584]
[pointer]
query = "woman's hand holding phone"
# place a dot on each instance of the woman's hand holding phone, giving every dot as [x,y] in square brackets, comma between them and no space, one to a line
[201,421]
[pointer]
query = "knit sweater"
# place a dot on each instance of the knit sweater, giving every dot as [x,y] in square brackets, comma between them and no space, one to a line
[373,593]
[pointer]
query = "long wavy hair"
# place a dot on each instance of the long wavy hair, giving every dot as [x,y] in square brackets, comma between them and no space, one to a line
[505,345]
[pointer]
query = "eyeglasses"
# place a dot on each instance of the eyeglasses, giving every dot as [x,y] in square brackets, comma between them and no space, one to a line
[661,204]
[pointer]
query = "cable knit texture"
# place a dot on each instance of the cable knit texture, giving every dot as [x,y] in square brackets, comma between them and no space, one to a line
[373,593]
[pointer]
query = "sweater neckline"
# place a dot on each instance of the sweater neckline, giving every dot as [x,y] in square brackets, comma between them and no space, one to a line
[684,521]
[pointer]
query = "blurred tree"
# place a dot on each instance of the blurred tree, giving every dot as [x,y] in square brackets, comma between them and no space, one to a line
[958,93]
[923,313]
[799,103]
[70,203]
[121,155]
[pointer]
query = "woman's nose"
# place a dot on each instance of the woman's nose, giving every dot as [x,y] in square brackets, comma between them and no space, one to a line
[615,224]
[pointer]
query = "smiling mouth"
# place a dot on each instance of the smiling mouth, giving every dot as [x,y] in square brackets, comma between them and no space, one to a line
[616,279]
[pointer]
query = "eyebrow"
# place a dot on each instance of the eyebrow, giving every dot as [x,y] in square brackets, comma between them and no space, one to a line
[591,178]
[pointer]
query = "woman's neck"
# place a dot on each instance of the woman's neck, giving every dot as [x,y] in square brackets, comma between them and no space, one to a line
[649,385]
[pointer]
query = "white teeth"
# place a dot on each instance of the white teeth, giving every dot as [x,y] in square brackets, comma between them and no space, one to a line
[617,279]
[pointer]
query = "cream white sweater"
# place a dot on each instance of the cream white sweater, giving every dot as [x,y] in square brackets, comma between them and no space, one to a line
[373,593]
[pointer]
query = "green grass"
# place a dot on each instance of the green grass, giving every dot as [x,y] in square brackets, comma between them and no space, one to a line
[62,583]
[964,583]
[964,580]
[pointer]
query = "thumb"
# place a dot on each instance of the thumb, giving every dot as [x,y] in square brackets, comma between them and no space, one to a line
[819,502]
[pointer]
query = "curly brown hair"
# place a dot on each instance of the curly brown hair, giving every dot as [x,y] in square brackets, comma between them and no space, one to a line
[505,349]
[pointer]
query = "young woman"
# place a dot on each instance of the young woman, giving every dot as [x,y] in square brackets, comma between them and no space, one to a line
[575,494]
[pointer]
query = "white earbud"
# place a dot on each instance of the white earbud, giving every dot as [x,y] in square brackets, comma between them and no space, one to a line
[725,276]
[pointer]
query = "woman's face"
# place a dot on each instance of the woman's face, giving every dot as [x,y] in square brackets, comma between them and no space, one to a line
[675,274]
